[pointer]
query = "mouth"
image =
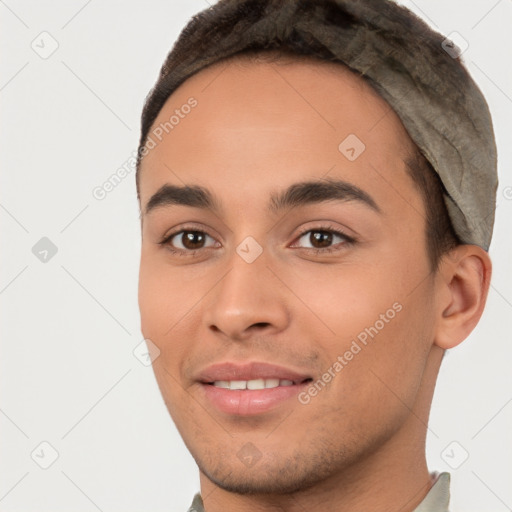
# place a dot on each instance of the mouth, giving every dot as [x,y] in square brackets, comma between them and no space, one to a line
[250,388]
[255,384]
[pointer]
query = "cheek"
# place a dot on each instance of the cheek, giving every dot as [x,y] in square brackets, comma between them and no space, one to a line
[152,298]
[373,322]
[169,313]
[160,302]
[390,368]
[343,300]
[159,305]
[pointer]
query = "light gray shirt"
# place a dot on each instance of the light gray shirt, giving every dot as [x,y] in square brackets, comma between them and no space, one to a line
[437,499]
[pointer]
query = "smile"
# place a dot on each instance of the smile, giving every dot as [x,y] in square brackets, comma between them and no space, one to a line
[252,384]
[250,388]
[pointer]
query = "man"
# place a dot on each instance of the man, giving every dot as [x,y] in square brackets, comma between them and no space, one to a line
[317,188]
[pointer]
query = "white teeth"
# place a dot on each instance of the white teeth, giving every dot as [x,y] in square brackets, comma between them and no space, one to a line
[238,384]
[271,383]
[252,384]
[256,384]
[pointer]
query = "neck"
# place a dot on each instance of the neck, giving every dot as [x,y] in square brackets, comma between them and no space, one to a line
[393,478]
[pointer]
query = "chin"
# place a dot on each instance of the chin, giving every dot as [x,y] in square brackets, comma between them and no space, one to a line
[288,475]
[264,483]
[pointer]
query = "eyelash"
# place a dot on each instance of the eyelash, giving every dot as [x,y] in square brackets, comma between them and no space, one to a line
[348,240]
[325,228]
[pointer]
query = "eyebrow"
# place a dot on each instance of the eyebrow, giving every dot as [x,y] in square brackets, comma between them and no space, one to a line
[297,194]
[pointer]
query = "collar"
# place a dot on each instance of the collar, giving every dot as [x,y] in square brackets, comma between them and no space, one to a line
[438,498]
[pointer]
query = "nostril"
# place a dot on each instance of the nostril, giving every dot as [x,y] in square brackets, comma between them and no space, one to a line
[260,324]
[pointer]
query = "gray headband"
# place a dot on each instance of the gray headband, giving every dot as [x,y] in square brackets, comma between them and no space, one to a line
[413,68]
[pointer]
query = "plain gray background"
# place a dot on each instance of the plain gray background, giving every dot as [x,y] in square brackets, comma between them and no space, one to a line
[68,375]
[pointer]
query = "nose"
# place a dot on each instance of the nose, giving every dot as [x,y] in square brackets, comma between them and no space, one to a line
[248,300]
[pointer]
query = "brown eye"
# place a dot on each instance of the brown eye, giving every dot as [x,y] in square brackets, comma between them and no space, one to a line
[322,239]
[189,240]
[319,239]
[192,239]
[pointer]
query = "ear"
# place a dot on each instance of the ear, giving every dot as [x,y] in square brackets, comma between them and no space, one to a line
[464,276]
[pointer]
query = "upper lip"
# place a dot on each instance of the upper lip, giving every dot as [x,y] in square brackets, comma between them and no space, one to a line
[229,371]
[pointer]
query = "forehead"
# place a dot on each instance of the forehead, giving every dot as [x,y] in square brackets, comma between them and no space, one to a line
[257,126]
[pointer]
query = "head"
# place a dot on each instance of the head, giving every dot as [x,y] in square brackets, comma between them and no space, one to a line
[290,224]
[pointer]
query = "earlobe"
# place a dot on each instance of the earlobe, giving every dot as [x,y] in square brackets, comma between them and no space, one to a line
[465,275]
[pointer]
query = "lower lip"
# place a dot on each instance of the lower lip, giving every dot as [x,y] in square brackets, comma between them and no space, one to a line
[249,402]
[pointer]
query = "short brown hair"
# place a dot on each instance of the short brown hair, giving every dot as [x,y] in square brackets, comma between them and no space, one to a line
[440,235]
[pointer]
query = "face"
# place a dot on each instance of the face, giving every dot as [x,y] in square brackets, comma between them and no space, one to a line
[284,275]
